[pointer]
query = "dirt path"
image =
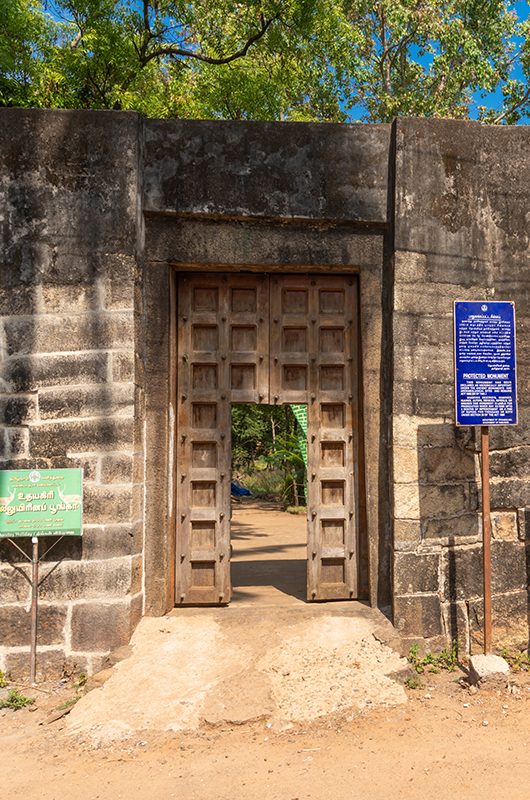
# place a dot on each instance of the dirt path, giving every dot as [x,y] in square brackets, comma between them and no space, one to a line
[269,550]
[434,746]
[269,699]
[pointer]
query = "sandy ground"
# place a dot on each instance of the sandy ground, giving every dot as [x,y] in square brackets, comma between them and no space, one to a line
[269,700]
[437,744]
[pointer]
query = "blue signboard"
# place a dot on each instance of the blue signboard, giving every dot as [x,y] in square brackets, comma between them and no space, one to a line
[485,365]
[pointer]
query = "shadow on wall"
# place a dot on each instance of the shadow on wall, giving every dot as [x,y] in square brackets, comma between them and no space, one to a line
[67,379]
[450,531]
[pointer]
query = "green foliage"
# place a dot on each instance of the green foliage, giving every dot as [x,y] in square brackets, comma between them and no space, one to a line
[266,452]
[434,662]
[16,701]
[264,482]
[518,660]
[70,703]
[413,682]
[273,59]
[254,428]
[3,680]
[286,455]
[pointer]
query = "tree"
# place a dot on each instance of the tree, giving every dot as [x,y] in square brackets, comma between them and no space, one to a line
[268,59]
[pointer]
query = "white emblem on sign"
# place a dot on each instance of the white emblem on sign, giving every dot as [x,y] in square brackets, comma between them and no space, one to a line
[34,476]
[483,308]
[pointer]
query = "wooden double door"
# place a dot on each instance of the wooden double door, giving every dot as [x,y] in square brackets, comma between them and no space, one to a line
[245,338]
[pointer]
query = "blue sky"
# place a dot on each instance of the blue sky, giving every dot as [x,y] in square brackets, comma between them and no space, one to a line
[493,100]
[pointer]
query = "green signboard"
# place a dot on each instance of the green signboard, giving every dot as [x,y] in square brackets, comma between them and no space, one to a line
[41,502]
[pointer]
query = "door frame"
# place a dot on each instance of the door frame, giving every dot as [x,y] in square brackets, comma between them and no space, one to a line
[333,569]
[155,468]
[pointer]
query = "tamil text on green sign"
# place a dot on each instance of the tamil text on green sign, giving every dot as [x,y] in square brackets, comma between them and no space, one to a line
[41,502]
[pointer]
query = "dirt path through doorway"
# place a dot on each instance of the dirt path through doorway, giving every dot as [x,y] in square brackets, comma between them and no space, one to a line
[268,555]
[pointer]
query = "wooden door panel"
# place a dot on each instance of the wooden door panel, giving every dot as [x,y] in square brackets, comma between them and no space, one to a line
[313,361]
[223,358]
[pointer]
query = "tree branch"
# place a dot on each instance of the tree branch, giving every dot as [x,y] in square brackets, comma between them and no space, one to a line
[176,52]
[513,108]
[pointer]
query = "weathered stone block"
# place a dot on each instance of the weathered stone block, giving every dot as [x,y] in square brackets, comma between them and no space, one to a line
[513,463]
[197,167]
[54,439]
[437,297]
[407,534]
[416,431]
[15,442]
[523,523]
[116,468]
[503,437]
[123,366]
[504,525]
[50,664]
[405,464]
[433,363]
[14,580]
[445,465]
[510,565]
[55,333]
[456,623]
[419,615]
[77,298]
[410,267]
[432,399]
[415,573]
[442,501]
[108,541]
[87,401]
[15,625]
[136,574]
[119,295]
[404,364]
[406,501]
[102,626]
[17,409]
[107,504]
[89,465]
[510,622]
[403,400]
[462,568]
[446,530]
[27,373]
[74,580]
[509,493]
[18,300]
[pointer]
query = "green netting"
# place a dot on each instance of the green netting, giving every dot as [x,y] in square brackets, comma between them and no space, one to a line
[300,413]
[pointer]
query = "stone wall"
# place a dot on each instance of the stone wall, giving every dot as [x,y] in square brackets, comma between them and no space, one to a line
[461,232]
[424,212]
[68,271]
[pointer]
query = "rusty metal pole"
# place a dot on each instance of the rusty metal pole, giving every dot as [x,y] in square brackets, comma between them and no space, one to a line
[486,534]
[34,601]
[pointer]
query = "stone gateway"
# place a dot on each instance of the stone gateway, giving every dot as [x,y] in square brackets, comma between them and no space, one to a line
[154,272]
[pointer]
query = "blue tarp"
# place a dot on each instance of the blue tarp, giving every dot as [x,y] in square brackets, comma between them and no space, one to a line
[239,491]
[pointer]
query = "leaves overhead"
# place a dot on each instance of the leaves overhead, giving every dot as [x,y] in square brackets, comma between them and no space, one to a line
[329,60]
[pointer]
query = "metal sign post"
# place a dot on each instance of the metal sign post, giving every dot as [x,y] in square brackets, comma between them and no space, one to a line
[486,534]
[36,503]
[34,611]
[485,395]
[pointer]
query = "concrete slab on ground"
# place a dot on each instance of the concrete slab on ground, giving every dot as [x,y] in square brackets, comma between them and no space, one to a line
[230,665]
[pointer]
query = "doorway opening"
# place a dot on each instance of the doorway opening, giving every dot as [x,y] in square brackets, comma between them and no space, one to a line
[268,527]
[259,339]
